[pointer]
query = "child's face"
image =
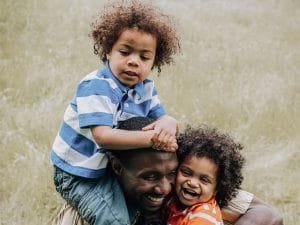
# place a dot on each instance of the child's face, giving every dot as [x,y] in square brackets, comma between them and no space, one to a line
[132,56]
[196,180]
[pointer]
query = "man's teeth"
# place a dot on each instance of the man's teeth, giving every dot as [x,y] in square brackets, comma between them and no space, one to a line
[155,199]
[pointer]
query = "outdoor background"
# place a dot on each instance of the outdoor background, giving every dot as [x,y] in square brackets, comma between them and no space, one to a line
[238,70]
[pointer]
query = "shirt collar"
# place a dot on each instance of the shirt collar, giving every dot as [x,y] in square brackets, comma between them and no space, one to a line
[174,209]
[136,89]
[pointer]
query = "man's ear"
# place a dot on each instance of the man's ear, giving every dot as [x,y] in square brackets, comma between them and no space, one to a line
[116,165]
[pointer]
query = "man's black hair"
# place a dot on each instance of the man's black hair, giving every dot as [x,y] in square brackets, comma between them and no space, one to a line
[134,123]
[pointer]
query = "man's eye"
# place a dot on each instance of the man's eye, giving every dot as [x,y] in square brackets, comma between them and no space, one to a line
[173,173]
[150,177]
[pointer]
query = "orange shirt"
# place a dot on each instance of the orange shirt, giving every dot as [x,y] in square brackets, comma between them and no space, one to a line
[206,213]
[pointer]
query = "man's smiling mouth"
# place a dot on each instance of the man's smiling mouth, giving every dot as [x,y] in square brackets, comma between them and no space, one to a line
[155,200]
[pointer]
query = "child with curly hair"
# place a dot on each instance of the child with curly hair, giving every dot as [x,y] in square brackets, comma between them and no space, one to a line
[208,177]
[131,38]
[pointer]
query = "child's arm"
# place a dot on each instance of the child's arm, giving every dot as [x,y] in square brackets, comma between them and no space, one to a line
[118,139]
[166,123]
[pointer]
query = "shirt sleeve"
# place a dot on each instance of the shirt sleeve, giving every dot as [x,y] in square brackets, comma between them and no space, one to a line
[239,205]
[156,108]
[97,103]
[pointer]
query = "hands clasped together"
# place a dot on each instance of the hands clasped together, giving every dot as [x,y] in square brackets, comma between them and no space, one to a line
[165,132]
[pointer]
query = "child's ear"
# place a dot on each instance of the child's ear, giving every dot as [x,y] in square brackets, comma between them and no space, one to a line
[116,165]
[216,191]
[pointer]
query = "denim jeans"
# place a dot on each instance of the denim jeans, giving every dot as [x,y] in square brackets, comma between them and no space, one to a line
[98,201]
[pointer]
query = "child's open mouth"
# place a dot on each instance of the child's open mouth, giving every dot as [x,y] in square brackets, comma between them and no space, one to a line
[130,73]
[189,193]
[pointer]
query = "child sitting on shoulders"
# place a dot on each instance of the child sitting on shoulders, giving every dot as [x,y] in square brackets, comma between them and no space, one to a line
[131,38]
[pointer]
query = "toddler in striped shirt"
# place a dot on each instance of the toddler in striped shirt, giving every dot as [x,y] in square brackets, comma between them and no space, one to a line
[131,38]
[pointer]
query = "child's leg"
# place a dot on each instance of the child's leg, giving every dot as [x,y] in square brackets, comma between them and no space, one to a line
[98,201]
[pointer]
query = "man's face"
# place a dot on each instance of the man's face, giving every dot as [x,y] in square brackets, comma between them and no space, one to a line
[149,178]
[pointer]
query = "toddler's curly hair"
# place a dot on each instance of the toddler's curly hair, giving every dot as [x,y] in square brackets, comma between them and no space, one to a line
[220,148]
[120,15]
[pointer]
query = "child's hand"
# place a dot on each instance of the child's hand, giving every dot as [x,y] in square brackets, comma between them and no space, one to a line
[168,144]
[164,125]
[166,129]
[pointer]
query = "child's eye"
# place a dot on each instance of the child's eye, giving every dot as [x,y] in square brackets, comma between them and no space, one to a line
[124,53]
[205,180]
[145,57]
[185,172]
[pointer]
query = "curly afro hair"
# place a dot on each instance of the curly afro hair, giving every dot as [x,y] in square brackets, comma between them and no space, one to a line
[120,15]
[221,148]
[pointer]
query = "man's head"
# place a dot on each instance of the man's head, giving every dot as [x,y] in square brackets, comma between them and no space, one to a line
[146,175]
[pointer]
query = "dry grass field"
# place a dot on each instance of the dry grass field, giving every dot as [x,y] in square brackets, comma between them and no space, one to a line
[238,70]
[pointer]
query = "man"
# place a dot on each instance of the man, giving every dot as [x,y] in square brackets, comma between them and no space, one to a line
[141,181]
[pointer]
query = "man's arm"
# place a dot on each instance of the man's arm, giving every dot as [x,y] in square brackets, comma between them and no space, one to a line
[260,213]
[246,209]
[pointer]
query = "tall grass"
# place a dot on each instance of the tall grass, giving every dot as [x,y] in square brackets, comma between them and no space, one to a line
[238,70]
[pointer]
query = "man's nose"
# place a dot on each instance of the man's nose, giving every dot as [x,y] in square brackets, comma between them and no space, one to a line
[163,187]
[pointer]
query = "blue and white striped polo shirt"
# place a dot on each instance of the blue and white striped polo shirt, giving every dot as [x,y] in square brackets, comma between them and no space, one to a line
[101,99]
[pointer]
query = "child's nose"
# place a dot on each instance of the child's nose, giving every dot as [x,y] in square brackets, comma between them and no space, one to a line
[133,60]
[193,182]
